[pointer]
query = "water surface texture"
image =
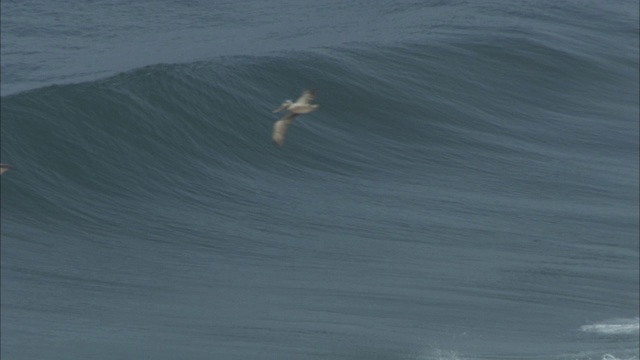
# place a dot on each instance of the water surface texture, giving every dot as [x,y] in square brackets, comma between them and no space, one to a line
[467,190]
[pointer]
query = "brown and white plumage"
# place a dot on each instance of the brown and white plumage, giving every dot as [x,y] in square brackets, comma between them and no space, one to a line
[280,128]
[301,106]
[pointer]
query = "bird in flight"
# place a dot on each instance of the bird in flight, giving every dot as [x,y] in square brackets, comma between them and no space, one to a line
[301,106]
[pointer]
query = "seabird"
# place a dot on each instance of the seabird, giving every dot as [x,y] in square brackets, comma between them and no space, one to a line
[301,106]
[4,167]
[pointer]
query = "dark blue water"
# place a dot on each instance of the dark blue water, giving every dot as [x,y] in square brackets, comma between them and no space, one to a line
[467,190]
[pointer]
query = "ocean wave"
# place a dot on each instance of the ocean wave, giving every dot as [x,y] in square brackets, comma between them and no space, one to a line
[614,327]
[386,112]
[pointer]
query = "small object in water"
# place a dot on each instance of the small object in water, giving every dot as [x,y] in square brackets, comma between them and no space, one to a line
[301,106]
[4,167]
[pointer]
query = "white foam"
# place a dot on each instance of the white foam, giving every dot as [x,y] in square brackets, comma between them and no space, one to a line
[611,357]
[436,353]
[614,327]
[441,355]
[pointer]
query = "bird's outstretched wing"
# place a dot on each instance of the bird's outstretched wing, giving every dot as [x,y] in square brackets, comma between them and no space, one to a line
[280,128]
[306,97]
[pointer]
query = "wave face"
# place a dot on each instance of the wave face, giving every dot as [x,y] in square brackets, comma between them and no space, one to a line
[468,189]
